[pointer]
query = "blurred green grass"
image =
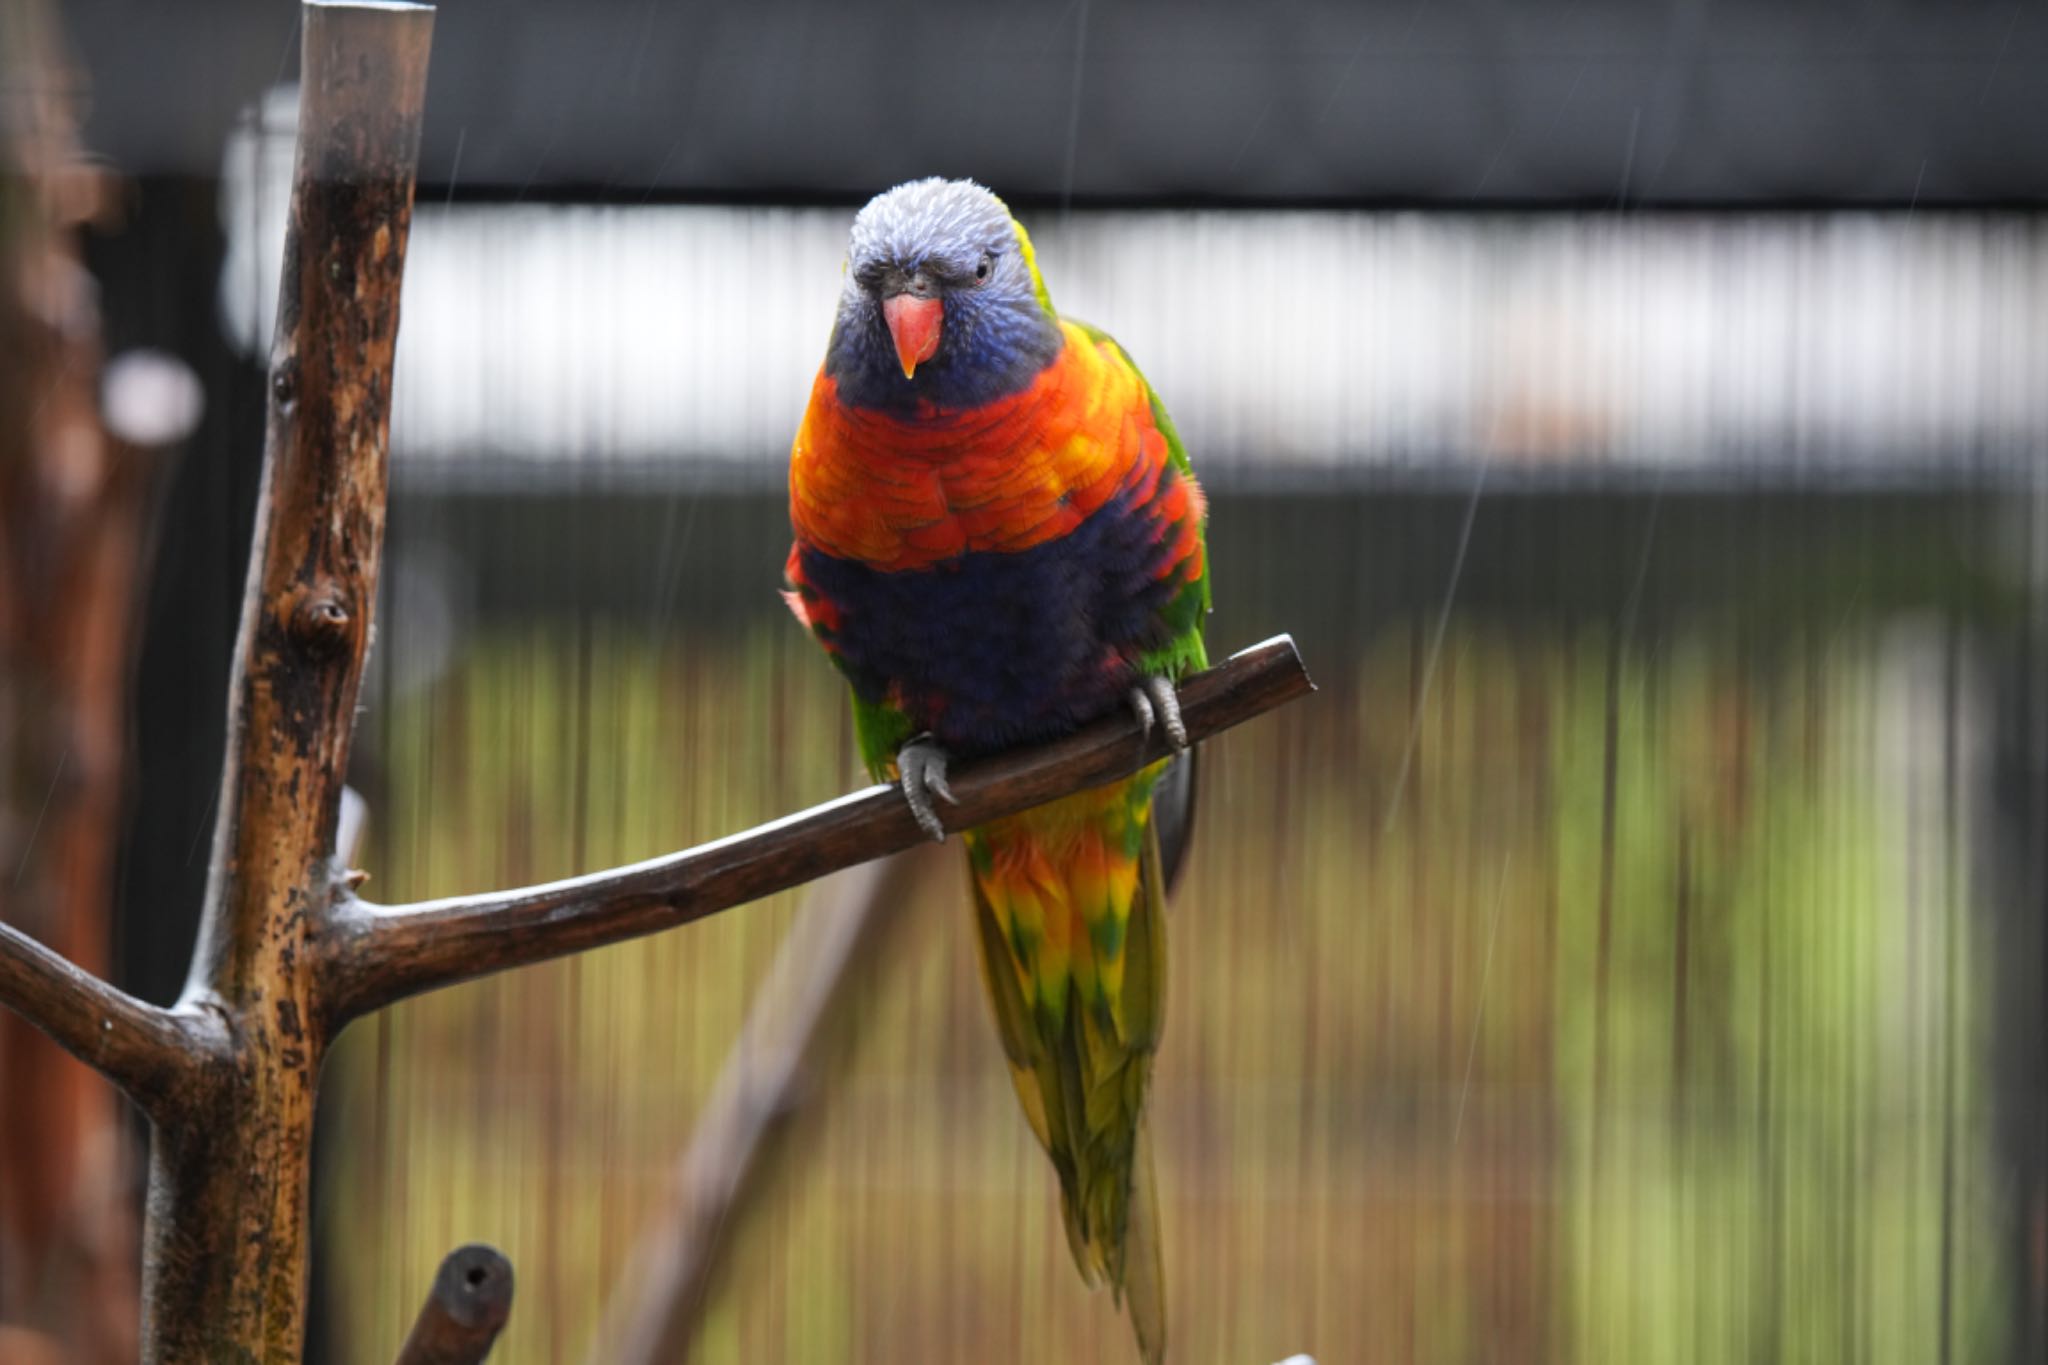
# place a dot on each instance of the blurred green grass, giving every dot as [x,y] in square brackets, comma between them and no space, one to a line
[1409,1107]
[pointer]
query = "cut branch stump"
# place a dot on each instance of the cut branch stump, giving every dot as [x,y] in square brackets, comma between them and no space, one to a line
[465,1310]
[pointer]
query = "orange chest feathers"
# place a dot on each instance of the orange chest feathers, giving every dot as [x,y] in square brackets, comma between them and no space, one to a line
[907,491]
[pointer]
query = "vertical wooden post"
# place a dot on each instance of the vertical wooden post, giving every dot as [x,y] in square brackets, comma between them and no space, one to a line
[226,1250]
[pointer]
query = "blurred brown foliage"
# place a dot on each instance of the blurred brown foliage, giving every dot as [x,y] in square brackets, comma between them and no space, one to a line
[71,513]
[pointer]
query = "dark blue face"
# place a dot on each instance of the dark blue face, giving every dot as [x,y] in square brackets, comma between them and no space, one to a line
[953,242]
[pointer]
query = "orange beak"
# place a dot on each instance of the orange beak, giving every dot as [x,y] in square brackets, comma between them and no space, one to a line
[914,327]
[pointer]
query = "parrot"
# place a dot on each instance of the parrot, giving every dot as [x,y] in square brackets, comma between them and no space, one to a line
[997,538]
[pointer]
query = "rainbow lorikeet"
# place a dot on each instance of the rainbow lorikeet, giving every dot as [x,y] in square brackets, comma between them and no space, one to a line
[998,538]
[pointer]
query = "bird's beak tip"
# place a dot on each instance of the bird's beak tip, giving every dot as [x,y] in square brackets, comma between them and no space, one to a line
[914,328]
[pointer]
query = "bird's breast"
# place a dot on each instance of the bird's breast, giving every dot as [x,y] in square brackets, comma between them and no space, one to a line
[897,492]
[990,648]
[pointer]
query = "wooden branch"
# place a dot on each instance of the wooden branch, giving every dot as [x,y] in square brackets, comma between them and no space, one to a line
[225,1256]
[320,512]
[149,1052]
[758,1094]
[375,955]
[468,1305]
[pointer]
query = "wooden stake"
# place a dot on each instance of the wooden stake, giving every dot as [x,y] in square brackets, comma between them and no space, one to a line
[770,1072]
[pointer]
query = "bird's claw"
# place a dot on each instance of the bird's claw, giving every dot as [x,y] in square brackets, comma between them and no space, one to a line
[921,769]
[1153,700]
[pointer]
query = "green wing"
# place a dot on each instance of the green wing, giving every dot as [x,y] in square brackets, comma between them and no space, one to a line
[1185,613]
[881,730]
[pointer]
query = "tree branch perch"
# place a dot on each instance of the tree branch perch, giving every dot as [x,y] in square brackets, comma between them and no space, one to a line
[374,955]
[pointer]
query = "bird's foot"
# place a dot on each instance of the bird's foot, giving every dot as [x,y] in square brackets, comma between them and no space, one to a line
[921,769]
[1154,701]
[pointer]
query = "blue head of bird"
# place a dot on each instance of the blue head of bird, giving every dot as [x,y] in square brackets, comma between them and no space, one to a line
[942,303]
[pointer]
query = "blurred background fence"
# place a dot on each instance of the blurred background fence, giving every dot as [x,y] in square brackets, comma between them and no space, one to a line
[1634,952]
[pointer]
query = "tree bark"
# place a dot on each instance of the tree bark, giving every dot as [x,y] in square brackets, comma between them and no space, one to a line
[225,1256]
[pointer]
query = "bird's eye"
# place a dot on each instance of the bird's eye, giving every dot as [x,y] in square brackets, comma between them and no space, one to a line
[988,264]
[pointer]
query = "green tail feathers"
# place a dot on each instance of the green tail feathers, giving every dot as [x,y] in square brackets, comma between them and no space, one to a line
[1144,1282]
[1070,914]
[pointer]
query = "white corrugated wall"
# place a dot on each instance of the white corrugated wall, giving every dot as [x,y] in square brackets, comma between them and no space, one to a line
[549,340]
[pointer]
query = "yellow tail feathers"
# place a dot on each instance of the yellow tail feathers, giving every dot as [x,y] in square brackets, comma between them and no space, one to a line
[1070,914]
